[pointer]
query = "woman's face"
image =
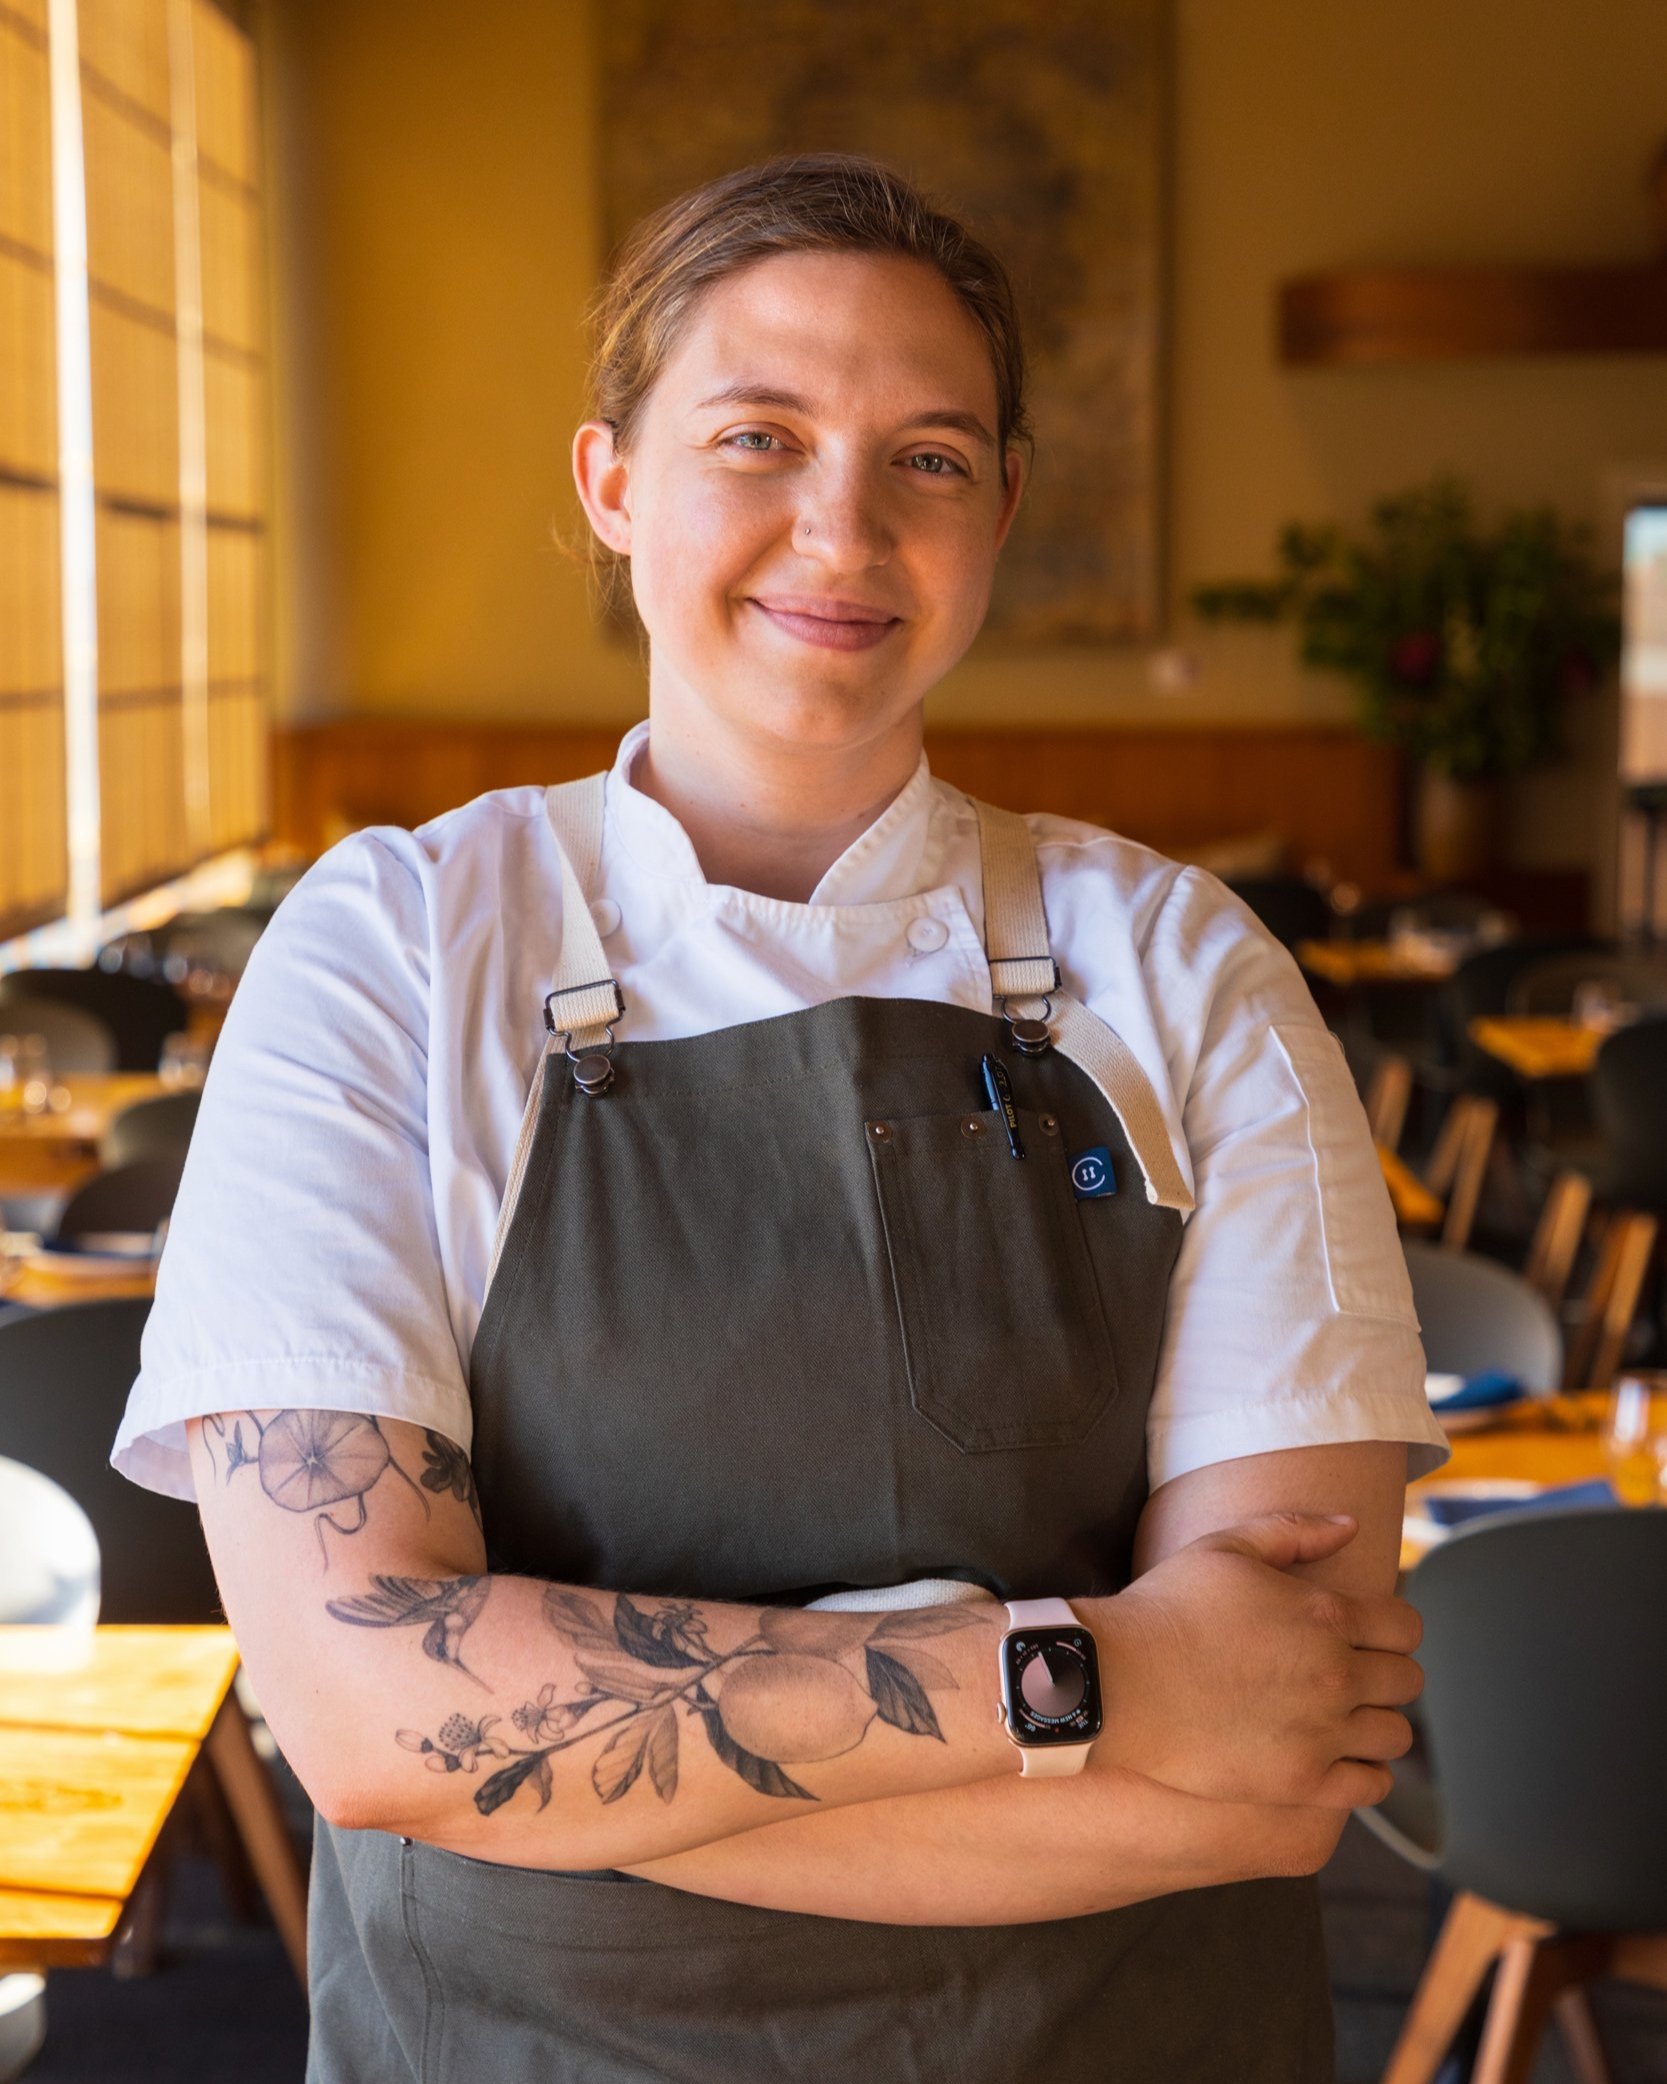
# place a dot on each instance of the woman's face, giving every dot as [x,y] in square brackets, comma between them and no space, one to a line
[813,500]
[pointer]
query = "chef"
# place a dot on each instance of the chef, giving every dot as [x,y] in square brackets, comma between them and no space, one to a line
[722,1317]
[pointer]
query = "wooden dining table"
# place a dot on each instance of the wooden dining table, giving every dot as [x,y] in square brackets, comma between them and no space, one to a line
[1543,1440]
[93,1758]
[1536,1046]
[42,1153]
[1348,964]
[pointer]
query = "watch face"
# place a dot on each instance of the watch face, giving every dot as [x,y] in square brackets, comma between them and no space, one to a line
[1050,1686]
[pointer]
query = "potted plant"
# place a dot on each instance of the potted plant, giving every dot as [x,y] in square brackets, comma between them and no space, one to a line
[1463,642]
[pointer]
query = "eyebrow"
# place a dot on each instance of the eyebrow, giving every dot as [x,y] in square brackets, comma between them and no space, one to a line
[967,423]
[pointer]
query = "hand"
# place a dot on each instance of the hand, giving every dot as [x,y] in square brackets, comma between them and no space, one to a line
[1225,1676]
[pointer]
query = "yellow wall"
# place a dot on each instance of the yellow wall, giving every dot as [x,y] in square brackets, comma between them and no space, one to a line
[434,244]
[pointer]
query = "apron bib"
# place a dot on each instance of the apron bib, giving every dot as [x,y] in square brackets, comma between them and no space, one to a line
[775,1313]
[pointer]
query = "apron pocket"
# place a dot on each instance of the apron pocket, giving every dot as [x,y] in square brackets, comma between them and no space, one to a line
[1003,1333]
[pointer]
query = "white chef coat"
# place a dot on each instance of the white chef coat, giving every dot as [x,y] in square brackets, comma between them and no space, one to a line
[334,1226]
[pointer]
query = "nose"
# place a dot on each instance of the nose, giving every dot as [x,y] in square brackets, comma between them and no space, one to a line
[840,519]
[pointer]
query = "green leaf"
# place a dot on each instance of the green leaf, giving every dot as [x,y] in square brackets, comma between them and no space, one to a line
[900,1697]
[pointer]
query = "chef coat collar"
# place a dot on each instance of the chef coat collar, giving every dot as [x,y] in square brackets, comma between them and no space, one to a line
[897,857]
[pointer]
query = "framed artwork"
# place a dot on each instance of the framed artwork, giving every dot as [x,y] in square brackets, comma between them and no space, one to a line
[1042,123]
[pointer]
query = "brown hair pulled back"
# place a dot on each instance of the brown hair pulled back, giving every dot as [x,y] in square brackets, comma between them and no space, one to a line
[802,202]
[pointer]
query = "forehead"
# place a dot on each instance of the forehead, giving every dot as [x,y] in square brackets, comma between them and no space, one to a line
[837,328]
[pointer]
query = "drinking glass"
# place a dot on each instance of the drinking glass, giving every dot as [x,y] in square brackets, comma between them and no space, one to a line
[184,1060]
[1635,1438]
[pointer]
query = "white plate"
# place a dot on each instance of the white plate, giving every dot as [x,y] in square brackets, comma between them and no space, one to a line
[89,1266]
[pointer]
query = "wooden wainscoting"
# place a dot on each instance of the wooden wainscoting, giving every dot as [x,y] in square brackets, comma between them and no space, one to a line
[1329,795]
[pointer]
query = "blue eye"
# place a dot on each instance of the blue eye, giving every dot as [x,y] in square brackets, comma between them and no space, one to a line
[750,434]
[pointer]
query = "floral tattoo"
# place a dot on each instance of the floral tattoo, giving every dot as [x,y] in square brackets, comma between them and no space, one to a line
[806,1687]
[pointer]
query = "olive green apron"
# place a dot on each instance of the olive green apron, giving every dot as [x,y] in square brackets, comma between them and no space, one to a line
[776,1313]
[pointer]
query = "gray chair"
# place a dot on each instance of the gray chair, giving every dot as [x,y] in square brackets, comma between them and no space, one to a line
[76,1041]
[132,1198]
[1476,1315]
[159,1128]
[1549,987]
[1545,1710]
[140,1012]
[64,1379]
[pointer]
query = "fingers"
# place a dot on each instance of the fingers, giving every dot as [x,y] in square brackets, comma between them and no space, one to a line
[1383,1624]
[1377,1733]
[1352,1785]
[1284,1538]
[1385,1681]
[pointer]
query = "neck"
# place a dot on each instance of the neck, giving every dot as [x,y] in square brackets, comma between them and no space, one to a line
[768,817]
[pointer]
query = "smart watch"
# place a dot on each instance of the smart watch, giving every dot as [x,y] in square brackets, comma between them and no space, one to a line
[1050,1686]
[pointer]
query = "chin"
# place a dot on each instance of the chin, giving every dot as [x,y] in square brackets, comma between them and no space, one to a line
[829,719]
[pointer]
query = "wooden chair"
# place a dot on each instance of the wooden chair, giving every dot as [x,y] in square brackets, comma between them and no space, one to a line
[1459,1163]
[1388,1094]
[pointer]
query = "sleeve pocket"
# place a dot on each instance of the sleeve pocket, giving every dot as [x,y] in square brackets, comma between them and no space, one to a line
[1365,1266]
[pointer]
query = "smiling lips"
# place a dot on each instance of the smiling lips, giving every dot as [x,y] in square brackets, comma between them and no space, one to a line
[834,625]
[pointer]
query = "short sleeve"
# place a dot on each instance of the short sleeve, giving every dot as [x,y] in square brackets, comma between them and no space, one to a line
[1290,1319]
[301,1267]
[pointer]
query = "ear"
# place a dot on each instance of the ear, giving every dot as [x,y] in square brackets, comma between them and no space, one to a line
[1016,472]
[603,478]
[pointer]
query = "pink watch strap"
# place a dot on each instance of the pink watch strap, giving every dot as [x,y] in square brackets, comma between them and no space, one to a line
[1046,1761]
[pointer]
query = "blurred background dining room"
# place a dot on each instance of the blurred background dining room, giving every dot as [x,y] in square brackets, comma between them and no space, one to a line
[1344,575]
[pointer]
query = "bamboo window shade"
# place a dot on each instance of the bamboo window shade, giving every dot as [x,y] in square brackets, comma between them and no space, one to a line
[34,867]
[178,370]
[234,383]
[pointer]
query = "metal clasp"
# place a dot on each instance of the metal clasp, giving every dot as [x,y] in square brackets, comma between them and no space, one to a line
[1028,1033]
[593,1068]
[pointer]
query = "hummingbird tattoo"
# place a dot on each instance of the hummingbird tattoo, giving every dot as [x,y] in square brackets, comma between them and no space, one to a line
[443,1607]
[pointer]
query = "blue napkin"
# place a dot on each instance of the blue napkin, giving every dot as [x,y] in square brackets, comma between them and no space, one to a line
[1479,1392]
[1453,1508]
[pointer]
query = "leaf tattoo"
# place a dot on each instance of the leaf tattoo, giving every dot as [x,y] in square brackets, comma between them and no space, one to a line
[445,1608]
[447,1468]
[653,1663]
[899,1696]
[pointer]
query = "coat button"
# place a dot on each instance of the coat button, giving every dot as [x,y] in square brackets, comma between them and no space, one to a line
[926,934]
[606,915]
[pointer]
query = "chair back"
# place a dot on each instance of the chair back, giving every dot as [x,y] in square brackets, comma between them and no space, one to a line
[64,1379]
[1629,1104]
[132,1198]
[140,1012]
[157,1128]
[49,1564]
[76,1042]
[1476,1315]
[1289,907]
[1549,987]
[1545,1707]
[1482,985]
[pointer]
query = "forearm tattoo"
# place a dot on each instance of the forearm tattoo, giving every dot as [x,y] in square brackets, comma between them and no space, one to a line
[803,1688]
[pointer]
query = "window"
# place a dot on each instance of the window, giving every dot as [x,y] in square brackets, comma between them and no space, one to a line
[148,756]
[34,861]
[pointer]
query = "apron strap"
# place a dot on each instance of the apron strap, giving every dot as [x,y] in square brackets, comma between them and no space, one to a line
[583,997]
[1022,967]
